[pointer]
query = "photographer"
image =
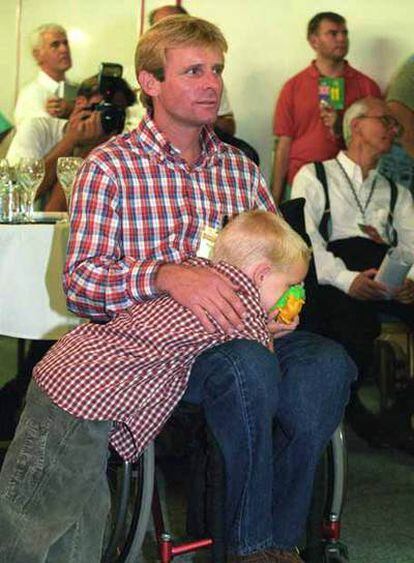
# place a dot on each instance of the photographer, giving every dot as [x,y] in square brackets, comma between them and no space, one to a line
[45,137]
[90,124]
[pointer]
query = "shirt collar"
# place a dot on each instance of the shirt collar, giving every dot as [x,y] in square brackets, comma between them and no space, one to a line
[156,143]
[353,169]
[48,82]
[348,72]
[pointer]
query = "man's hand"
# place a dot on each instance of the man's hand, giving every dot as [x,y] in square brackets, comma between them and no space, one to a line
[205,292]
[329,118]
[406,293]
[366,289]
[58,107]
[85,127]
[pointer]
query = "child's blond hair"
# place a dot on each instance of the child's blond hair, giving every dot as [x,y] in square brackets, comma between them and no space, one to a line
[260,235]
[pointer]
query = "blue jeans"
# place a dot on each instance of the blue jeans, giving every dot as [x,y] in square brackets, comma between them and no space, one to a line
[54,495]
[272,415]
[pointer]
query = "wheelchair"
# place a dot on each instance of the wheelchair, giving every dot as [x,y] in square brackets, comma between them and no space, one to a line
[135,495]
[133,487]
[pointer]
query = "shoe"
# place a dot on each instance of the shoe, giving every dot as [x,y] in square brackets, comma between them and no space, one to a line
[268,556]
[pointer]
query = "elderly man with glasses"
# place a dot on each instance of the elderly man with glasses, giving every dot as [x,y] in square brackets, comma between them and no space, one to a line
[354,215]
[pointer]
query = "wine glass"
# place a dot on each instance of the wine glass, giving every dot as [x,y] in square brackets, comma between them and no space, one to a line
[5,171]
[6,191]
[67,167]
[30,173]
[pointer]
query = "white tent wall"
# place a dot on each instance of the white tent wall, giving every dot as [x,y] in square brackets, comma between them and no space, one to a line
[266,39]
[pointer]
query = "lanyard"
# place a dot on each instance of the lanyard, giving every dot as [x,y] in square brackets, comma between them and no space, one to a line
[357,200]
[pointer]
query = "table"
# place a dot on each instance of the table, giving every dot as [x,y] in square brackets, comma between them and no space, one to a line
[32,302]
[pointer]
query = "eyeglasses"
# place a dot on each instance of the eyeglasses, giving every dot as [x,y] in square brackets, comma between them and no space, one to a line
[388,121]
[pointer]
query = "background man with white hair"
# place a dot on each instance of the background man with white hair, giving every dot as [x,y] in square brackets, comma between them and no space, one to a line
[353,216]
[49,94]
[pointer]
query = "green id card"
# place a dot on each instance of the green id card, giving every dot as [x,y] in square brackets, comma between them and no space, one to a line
[332,91]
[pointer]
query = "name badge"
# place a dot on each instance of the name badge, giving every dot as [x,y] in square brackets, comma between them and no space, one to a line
[207,241]
[372,233]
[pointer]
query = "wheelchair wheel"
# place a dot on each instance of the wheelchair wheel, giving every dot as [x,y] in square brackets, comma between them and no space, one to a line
[327,503]
[335,552]
[131,487]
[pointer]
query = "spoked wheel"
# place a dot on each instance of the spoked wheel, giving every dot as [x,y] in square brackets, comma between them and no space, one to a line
[131,487]
[322,543]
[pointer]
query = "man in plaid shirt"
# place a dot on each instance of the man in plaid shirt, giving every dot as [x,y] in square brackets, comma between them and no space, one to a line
[142,205]
[134,369]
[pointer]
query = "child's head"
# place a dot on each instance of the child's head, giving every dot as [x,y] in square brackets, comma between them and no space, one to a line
[265,248]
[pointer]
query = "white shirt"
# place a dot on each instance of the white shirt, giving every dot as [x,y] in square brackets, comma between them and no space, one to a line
[346,215]
[35,138]
[32,98]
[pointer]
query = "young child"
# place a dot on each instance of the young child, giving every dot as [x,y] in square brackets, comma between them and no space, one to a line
[120,381]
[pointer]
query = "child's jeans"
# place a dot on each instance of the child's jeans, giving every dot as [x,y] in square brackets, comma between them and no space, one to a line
[54,495]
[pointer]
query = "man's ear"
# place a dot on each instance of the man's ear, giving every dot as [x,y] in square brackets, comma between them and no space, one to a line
[355,126]
[148,82]
[313,41]
[36,52]
[259,273]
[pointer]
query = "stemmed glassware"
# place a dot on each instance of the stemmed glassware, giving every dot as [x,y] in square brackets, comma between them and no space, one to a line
[67,167]
[5,170]
[6,191]
[29,174]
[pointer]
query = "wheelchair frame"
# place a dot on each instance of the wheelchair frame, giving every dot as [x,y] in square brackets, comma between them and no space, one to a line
[135,495]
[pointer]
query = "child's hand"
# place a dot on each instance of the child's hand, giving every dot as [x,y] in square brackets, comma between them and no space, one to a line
[278,329]
[289,305]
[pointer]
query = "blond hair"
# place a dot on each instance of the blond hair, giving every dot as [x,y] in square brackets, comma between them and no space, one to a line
[172,32]
[260,235]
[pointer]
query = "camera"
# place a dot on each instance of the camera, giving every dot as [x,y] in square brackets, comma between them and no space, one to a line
[109,83]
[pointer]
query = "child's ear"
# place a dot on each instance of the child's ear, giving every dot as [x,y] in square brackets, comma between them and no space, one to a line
[259,272]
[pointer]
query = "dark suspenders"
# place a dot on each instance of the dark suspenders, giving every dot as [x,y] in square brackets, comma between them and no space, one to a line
[323,225]
[393,200]
[321,175]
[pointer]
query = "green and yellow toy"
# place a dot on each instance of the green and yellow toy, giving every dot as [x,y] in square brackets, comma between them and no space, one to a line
[289,304]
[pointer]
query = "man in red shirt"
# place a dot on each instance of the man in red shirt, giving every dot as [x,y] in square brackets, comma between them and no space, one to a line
[306,121]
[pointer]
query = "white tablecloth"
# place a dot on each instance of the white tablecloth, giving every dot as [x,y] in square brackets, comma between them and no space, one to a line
[32,302]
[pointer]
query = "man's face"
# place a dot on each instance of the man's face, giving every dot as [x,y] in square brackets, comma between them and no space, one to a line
[190,93]
[330,41]
[53,56]
[84,102]
[377,128]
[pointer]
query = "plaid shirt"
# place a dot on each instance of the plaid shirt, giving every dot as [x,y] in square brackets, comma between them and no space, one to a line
[134,369]
[137,204]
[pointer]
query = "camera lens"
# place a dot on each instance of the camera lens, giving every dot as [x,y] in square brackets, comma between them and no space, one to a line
[112,117]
